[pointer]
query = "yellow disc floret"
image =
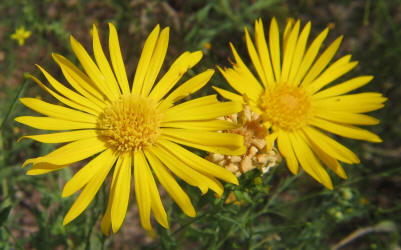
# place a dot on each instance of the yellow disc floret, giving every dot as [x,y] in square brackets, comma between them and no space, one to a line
[131,123]
[285,107]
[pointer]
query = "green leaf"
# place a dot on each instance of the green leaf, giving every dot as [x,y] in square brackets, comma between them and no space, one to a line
[4,214]
[13,104]
[239,195]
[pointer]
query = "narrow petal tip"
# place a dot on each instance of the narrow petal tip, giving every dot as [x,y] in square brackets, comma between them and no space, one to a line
[235,180]
[27,162]
[20,139]
[112,27]
[198,55]
[115,227]
[65,193]
[377,140]
[67,220]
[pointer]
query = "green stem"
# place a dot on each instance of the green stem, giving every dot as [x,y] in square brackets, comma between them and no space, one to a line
[275,195]
[14,103]
[19,246]
[197,218]
[4,182]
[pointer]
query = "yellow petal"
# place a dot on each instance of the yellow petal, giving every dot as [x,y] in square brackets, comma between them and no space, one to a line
[67,92]
[330,146]
[329,161]
[289,49]
[263,51]
[310,56]
[345,130]
[190,111]
[91,69]
[181,65]
[185,172]
[355,103]
[286,149]
[255,58]
[72,152]
[238,76]
[158,56]
[43,168]
[48,123]
[62,136]
[223,143]
[144,60]
[333,72]
[229,95]
[299,53]
[274,44]
[207,125]
[170,185]
[65,100]
[347,117]
[57,111]
[309,161]
[270,139]
[103,63]
[141,189]
[79,81]
[190,86]
[344,87]
[322,61]
[157,206]
[198,102]
[120,200]
[117,60]
[87,194]
[287,30]
[105,224]
[86,173]
[199,163]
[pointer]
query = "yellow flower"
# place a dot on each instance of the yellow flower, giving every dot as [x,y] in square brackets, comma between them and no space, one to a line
[21,35]
[139,127]
[293,96]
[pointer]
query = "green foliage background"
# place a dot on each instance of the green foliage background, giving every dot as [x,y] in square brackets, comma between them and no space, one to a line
[274,211]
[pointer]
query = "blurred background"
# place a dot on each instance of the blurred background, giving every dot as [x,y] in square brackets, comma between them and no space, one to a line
[271,211]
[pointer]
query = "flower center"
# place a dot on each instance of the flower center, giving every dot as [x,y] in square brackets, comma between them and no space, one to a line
[131,123]
[285,107]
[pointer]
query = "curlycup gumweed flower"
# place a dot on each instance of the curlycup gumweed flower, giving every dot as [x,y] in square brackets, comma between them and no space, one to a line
[138,127]
[292,94]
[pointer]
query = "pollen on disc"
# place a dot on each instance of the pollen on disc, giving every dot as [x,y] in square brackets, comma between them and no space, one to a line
[131,123]
[285,107]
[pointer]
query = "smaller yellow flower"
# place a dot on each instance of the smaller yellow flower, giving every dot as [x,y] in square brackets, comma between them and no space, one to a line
[21,35]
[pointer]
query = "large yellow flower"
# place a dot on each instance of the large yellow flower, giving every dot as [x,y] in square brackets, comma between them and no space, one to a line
[135,127]
[293,96]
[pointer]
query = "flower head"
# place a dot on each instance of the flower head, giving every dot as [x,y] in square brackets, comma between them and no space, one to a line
[250,125]
[137,129]
[292,95]
[21,35]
